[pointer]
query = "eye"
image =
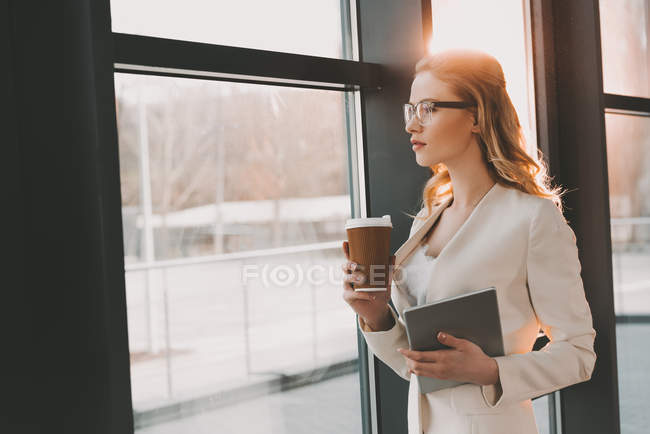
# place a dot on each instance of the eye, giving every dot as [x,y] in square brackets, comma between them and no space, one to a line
[425,111]
[427,108]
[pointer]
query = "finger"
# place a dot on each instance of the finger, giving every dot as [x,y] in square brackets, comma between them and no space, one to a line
[424,369]
[436,356]
[351,266]
[419,356]
[356,277]
[451,341]
[347,286]
[346,249]
[432,370]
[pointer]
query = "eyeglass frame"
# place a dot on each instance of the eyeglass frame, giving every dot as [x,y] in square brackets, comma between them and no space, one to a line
[434,104]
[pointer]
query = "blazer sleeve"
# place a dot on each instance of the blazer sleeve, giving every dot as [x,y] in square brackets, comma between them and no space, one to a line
[384,344]
[558,298]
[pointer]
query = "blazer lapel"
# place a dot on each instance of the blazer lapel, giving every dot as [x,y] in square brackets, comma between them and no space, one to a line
[405,249]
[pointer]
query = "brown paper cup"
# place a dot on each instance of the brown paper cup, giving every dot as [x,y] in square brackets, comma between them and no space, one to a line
[369,242]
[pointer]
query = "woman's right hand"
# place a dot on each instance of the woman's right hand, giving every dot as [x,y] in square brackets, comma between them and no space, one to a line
[372,306]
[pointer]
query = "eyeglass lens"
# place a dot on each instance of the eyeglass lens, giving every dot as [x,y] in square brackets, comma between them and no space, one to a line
[423,112]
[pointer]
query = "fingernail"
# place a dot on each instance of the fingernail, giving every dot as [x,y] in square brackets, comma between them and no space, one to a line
[399,350]
[441,335]
[353,266]
[374,297]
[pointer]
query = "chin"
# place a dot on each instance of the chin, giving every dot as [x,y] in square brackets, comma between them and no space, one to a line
[426,161]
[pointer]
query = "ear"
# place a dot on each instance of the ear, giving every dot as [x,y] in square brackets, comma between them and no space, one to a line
[475,126]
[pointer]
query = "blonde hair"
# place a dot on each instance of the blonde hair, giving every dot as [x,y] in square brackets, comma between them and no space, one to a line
[477,77]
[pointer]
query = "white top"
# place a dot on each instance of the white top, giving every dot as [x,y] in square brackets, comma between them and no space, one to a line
[415,275]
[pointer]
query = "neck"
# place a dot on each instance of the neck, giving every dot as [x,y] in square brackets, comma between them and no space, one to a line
[470,179]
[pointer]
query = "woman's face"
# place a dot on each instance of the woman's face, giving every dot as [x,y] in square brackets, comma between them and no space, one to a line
[450,133]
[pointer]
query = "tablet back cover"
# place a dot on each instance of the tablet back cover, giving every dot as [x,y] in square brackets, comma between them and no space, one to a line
[473,316]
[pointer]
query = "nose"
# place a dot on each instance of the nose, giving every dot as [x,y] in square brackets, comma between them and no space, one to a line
[413,125]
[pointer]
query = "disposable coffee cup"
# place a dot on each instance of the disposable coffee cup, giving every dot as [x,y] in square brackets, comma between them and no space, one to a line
[369,242]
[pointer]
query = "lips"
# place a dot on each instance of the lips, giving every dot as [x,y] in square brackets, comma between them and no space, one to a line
[417,144]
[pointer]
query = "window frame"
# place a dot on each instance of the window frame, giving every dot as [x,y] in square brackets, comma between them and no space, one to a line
[147,55]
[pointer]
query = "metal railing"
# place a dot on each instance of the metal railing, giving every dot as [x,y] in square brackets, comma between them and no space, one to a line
[164,265]
[618,268]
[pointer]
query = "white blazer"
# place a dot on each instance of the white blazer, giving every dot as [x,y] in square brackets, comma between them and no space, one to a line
[522,245]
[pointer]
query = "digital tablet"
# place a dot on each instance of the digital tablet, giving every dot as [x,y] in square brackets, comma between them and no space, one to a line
[473,316]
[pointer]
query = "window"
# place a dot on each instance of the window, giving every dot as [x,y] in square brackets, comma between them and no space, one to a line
[625,38]
[235,191]
[628,161]
[292,26]
[471,24]
[624,30]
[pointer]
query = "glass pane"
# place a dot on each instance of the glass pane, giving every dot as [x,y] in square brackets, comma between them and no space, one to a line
[236,197]
[507,42]
[625,38]
[628,161]
[294,26]
[541,409]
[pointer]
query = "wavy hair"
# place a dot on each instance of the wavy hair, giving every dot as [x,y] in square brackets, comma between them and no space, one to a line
[477,77]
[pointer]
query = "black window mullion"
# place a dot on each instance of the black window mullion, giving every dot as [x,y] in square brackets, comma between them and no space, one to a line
[579,164]
[626,103]
[173,57]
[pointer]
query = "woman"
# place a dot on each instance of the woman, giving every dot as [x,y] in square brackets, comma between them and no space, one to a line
[489,218]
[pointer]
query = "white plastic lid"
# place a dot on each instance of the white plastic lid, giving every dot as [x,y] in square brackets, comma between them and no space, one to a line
[369,222]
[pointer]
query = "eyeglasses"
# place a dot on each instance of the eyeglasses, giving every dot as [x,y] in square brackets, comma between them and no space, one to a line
[424,110]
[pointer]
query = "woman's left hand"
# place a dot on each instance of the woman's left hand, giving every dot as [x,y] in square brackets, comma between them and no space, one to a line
[465,362]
